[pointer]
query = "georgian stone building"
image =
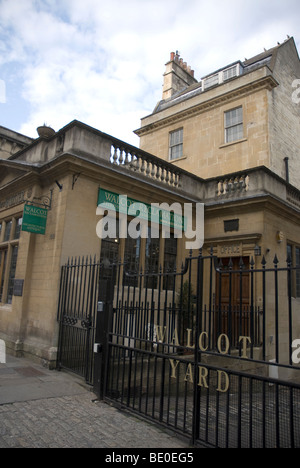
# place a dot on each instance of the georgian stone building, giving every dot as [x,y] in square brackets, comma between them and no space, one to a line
[238,128]
[63,175]
[230,141]
[239,117]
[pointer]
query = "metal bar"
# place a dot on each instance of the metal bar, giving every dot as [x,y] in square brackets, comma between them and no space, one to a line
[241,304]
[264,332]
[162,386]
[292,430]
[289,277]
[197,389]
[276,309]
[277,417]
[240,389]
[252,332]
[256,410]
[229,313]
[210,306]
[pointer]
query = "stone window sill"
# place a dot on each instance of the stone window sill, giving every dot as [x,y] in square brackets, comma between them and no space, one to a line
[233,143]
[178,159]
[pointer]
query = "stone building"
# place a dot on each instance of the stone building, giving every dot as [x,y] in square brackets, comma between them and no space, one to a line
[62,176]
[239,117]
[11,142]
[238,128]
[230,142]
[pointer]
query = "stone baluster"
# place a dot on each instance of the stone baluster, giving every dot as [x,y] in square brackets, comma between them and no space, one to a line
[147,165]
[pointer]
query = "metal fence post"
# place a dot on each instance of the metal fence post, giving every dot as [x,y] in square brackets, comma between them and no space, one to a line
[101,348]
[197,389]
[103,323]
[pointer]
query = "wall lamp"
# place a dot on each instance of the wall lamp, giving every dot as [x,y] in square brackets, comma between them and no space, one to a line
[257,251]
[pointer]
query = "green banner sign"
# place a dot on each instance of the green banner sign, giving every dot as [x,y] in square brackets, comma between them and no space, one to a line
[34,219]
[148,212]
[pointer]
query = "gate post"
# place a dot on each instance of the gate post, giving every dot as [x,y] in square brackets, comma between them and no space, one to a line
[103,320]
[101,347]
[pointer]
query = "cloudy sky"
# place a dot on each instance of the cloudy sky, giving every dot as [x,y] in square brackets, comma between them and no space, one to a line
[102,62]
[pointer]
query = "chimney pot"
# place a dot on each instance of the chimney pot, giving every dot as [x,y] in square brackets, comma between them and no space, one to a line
[172,56]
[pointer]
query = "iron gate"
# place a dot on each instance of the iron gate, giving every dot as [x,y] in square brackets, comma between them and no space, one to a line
[171,348]
[86,284]
[220,374]
[77,316]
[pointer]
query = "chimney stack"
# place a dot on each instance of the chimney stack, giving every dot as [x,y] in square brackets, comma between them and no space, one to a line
[178,75]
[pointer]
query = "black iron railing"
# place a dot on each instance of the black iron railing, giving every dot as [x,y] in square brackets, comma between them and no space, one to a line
[209,352]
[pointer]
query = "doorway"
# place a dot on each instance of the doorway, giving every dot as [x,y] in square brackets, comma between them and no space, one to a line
[233,314]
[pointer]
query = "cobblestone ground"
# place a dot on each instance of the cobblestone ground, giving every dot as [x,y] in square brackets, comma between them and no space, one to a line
[77,422]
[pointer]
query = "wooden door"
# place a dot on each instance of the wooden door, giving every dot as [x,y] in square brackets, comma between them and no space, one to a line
[233,299]
[238,293]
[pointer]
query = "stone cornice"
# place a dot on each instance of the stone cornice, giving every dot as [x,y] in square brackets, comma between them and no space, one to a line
[267,82]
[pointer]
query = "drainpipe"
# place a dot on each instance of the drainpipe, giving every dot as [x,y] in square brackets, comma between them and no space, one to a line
[287,172]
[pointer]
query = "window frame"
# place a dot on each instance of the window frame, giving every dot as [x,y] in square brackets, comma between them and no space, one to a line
[10,234]
[177,145]
[230,136]
[293,250]
[142,254]
[211,81]
[3,268]
[231,72]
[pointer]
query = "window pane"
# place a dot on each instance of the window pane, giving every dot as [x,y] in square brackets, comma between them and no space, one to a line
[12,274]
[7,231]
[152,259]
[290,252]
[132,260]
[3,257]
[234,133]
[234,117]
[234,129]
[176,152]
[170,256]
[176,137]
[109,257]
[211,81]
[18,228]
[298,272]
[176,144]
[230,73]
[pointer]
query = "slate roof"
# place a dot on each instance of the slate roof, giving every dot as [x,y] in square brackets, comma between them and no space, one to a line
[266,58]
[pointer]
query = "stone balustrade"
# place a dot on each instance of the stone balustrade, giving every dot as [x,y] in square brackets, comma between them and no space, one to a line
[144,163]
[233,185]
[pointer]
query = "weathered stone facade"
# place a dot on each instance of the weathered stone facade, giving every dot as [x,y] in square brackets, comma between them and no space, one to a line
[11,142]
[64,173]
[263,88]
[251,209]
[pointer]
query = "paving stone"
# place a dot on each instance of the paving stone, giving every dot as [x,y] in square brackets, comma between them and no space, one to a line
[77,422]
[48,409]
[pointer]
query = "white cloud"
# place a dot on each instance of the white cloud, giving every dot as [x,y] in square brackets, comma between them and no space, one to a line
[102,62]
[2,92]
